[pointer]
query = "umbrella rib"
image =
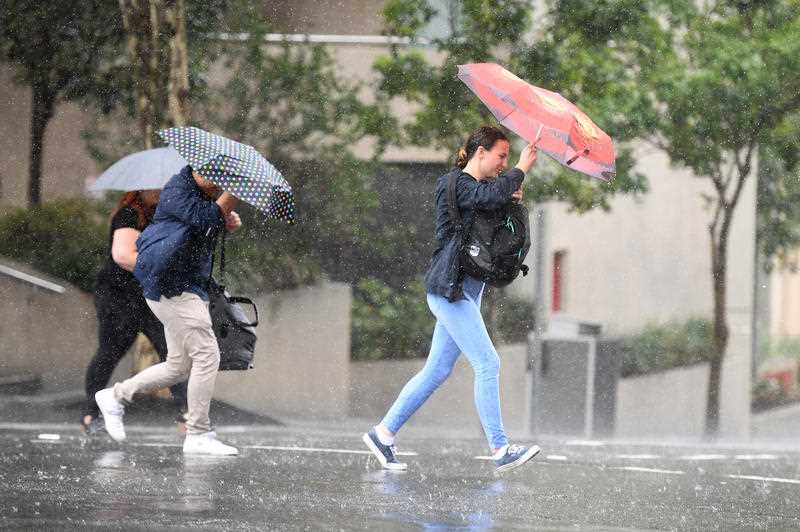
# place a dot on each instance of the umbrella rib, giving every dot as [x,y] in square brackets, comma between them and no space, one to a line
[509,114]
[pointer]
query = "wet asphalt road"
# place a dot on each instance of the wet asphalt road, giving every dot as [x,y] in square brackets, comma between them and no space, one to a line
[322,479]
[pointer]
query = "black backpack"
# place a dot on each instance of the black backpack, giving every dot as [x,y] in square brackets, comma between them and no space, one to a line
[494,247]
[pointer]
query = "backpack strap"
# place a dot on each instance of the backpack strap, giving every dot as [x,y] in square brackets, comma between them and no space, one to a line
[452,201]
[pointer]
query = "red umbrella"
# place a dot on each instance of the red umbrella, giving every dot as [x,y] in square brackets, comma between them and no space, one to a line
[567,134]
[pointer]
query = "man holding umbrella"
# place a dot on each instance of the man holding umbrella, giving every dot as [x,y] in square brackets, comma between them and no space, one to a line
[174,264]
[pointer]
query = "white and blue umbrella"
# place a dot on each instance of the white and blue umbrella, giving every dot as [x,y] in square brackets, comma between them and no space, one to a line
[144,170]
[236,168]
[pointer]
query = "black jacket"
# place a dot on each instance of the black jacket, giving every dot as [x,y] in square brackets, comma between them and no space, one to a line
[444,276]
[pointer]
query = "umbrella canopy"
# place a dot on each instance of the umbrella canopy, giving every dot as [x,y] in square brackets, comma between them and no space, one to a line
[568,135]
[236,168]
[144,170]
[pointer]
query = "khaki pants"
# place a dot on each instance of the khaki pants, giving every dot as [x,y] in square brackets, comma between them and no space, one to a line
[191,350]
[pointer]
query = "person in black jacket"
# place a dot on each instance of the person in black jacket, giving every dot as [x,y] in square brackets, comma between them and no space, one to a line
[455,300]
[121,310]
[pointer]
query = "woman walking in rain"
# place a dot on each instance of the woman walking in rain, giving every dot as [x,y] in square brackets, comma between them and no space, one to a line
[121,309]
[455,299]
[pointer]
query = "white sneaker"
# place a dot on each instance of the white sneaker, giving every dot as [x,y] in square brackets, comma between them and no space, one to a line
[207,443]
[112,411]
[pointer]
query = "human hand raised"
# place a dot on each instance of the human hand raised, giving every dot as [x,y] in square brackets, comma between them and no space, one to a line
[528,155]
[232,221]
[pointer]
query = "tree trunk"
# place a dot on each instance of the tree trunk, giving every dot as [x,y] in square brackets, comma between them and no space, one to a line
[136,19]
[178,88]
[158,53]
[719,268]
[42,103]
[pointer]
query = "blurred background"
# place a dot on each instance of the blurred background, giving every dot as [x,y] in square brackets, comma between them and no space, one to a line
[664,304]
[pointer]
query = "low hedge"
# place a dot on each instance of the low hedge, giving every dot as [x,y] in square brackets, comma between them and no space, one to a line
[65,238]
[667,346]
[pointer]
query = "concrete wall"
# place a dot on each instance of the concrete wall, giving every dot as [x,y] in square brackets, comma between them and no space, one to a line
[302,356]
[648,261]
[67,165]
[44,332]
[339,17]
[784,302]
[648,258]
[778,425]
[375,385]
[668,404]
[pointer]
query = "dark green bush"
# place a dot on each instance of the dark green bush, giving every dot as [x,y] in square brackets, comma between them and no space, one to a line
[662,347]
[508,319]
[393,324]
[66,238]
[388,323]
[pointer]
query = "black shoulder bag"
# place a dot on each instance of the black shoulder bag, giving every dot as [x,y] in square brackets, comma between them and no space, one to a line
[236,335]
[494,246]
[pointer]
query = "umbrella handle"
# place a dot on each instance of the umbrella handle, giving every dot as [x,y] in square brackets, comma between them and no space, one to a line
[538,135]
[575,157]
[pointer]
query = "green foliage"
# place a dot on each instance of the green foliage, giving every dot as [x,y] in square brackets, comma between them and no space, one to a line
[390,324]
[509,319]
[535,47]
[393,324]
[265,256]
[405,18]
[781,347]
[287,101]
[64,45]
[769,394]
[663,347]
[67,239]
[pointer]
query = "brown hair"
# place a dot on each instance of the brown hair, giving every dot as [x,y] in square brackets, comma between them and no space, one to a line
[133,200]
[485,136]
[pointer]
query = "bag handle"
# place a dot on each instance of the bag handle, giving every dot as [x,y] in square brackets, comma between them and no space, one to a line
[221,260]
[246,301]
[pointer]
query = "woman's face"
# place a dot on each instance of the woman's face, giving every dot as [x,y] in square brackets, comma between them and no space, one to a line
[150,197]
[493,161]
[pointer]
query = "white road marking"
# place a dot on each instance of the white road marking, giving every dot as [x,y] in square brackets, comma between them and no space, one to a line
[318,450]
[766,479]
[638,456]
[649,470]
[756,457]
[155,444]
[555,457]
[275,448]
[705,457]
[586,443]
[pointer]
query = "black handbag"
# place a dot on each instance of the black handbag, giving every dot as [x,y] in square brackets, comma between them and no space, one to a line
[494,246]
[236,334]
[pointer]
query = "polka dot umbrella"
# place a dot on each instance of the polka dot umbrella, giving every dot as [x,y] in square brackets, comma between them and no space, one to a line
[236,168]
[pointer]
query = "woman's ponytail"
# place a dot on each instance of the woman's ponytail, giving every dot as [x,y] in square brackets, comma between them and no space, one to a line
[461,157]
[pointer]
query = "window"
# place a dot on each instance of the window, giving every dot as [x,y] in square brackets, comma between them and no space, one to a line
[557,299]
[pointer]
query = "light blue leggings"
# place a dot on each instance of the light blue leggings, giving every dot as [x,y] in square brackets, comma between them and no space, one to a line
[459,328]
